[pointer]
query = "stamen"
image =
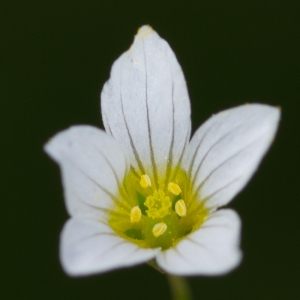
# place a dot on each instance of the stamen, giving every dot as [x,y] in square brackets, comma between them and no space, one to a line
[174,188]
[145,181]
[135,214]
[159,229]
[180,208]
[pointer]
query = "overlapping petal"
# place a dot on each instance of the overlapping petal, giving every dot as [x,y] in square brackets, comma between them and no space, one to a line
[211,250]
[227,149]
[90,246]
[93,165]
[145,104]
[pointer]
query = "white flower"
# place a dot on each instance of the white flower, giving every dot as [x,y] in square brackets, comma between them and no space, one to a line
[143,191]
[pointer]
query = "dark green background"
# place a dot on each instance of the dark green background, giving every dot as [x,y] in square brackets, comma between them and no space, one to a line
[56,56]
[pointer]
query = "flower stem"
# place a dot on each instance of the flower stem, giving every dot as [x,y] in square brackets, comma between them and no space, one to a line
[179,288]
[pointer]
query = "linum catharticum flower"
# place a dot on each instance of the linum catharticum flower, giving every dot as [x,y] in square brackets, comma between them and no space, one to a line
[142,191]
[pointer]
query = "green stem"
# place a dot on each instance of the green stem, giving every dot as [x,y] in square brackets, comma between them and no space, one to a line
[179,288]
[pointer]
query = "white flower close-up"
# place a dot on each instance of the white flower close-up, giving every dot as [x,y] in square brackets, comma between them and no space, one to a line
[142,190]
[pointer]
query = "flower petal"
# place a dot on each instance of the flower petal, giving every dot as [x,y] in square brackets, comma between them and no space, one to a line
[226,150]
[145,104]
[211,250]
[89,246]
[93,165]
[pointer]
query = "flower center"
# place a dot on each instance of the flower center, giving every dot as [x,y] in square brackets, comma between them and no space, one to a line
[157,214]
[159,205]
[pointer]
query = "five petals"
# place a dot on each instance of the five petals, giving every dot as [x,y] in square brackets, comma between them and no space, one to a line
[146,114]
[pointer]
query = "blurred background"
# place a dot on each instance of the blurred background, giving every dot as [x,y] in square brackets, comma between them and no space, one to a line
[55,57]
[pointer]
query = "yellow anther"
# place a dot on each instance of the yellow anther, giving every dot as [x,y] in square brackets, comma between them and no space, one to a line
[135,214]
[159,229]
[180,208]
[145,181]
[174,188]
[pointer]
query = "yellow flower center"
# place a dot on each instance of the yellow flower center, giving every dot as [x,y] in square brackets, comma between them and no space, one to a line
[157,214]
[158,205]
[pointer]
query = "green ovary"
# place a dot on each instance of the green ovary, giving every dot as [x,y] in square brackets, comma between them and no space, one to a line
[158,209]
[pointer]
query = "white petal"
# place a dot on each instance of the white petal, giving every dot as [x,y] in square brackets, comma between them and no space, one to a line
[211,250]
[227,149]
[89,246]
[145,103]
[93,165]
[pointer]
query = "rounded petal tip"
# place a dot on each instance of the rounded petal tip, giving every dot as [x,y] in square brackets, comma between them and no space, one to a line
[144,31]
